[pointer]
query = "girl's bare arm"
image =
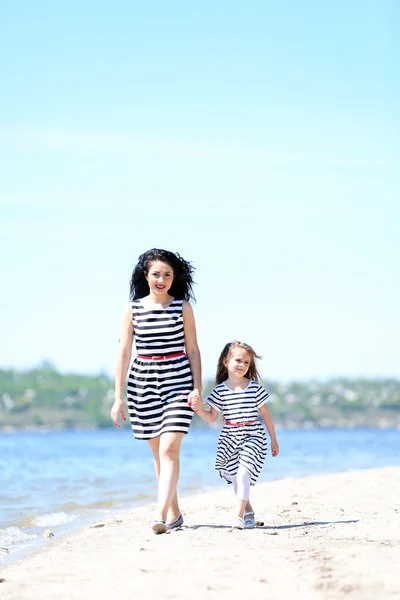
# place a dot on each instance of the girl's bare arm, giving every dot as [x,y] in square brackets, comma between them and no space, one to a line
[269,424]
[207,415]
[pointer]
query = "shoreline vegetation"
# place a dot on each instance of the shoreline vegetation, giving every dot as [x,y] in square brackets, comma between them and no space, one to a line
[44,398]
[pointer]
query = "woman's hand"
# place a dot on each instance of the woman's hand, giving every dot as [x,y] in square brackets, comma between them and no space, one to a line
[194,400]
[274,447]
[118,408]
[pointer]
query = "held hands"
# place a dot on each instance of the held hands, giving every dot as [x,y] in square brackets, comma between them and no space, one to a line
[194,400]
[118,408]
[274,447]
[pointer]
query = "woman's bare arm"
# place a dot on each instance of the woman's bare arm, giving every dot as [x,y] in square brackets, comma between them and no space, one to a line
[123,362]
[192,349]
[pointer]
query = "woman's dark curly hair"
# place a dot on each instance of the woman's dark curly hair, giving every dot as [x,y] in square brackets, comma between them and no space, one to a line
[182,284]
[222,371]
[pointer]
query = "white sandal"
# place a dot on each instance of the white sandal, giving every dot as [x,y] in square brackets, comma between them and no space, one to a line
[238,523]
[249,520]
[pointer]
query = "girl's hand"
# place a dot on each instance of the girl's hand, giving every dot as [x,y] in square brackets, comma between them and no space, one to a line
[194,400]
[118,408]
[274,448]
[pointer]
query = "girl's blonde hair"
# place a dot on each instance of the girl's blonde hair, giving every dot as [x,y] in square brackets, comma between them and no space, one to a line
[222,371]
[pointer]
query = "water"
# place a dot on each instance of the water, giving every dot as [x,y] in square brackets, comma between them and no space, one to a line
[62,480]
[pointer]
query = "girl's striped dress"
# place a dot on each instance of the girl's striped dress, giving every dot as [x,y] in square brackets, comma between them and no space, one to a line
[158,390]
[242,444]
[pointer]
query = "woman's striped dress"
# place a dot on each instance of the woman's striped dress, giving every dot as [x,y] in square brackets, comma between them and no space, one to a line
[243,444]
[158,390]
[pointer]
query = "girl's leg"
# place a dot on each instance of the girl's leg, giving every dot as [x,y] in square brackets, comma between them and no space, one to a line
[243,479]
[249,508]
[168,453]
[173,512]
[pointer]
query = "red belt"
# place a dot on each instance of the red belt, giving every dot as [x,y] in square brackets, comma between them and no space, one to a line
[241,424]
[141,357]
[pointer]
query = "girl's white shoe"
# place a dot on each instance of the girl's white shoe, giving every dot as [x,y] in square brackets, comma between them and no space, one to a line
[249,520]
[238,523]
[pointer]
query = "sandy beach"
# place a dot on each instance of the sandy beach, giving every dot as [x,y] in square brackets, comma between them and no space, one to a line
[331,536]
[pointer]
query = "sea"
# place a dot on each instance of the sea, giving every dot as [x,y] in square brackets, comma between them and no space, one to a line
[61,480]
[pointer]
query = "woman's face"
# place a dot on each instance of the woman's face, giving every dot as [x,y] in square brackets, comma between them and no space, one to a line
[160,277]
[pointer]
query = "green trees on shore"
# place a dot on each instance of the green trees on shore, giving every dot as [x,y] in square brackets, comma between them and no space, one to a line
[43,397]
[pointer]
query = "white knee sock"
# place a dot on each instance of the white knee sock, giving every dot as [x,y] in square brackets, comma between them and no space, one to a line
[234,484]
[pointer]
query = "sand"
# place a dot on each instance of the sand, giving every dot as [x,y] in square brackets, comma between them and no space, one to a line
[330,536]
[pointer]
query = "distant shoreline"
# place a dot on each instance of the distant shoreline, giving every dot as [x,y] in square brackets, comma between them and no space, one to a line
[381,424]
[45,398]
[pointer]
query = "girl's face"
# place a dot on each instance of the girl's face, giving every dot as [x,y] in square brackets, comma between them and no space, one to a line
[238,363]
[160,277]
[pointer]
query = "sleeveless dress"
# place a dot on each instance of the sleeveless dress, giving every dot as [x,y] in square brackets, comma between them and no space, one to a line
[244,445]
[157,395]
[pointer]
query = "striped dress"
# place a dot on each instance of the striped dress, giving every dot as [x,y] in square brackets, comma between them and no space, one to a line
[245,444]
[158,390]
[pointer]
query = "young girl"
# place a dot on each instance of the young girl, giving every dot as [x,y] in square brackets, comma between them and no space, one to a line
[166,373]
[242,445]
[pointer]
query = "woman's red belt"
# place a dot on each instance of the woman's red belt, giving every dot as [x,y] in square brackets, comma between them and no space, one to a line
[164,357]
[241,424]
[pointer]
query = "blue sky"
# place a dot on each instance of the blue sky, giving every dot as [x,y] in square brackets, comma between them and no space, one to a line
[260,140]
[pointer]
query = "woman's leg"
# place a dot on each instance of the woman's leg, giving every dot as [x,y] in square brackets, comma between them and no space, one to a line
[168,453]
[174,511]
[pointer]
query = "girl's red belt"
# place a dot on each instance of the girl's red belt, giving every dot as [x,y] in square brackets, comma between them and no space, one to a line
[164,357]
[241,424]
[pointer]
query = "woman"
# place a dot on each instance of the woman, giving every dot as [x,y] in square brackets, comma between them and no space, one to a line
[165,376]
